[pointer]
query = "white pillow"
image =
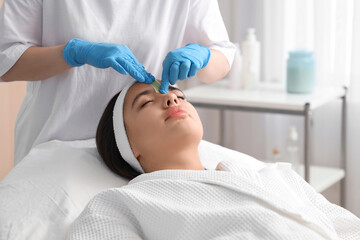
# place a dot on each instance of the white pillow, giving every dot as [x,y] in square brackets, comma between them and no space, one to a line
[48,189]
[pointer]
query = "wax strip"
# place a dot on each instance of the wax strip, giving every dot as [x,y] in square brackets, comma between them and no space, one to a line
[156,85]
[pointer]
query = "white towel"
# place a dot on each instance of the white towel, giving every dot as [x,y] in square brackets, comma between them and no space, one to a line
[236,203]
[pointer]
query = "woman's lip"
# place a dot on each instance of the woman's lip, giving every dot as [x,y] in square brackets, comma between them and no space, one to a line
[177,115]
[175,112]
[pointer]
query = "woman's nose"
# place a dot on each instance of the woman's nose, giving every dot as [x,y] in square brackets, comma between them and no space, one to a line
[170,99]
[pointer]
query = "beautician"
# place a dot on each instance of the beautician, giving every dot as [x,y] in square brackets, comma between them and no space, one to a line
[71,53]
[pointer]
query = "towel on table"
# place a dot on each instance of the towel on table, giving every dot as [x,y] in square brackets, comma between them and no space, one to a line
[235,203]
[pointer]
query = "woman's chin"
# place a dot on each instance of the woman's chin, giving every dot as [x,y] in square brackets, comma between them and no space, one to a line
[186,132]
[182,131]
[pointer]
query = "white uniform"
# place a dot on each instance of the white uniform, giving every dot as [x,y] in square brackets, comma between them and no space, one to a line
[69,105]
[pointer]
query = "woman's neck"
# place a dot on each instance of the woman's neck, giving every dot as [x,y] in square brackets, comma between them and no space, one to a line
[187,159]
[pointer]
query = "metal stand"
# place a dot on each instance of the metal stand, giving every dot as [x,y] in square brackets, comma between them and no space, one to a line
[307,149]
[222,127]
[307,145]
[343,149]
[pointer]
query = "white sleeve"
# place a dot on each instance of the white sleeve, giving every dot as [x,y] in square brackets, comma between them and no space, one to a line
[20,28]
[205,26]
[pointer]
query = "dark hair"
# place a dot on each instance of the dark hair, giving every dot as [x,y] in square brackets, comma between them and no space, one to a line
[106,144]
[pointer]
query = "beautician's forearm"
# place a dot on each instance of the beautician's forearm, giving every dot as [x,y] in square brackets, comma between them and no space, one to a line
[37,63]
[216,69]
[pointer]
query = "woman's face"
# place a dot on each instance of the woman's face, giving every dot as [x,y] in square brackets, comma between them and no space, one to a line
[159,124]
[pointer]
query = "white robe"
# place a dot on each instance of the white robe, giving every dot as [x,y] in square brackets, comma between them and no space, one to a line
[238,203]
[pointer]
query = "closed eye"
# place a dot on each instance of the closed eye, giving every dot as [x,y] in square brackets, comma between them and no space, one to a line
[143,105]
[149,101]
[181,97]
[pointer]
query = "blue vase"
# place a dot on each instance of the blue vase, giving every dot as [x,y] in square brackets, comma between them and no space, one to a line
[300,77]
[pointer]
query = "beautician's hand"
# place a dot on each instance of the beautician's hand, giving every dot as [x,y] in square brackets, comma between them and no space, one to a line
[103,55]
[183,63]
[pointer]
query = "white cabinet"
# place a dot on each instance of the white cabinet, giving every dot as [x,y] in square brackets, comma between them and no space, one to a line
[273,100]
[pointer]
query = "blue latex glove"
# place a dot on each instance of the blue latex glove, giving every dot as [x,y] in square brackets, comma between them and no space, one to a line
[183,63]
[103,55]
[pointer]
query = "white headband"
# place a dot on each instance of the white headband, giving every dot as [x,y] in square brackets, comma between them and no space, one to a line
[121,138]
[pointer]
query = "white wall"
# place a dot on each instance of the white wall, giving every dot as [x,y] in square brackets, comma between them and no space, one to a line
[11,96]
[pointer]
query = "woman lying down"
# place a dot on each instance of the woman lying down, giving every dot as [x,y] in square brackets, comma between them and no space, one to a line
[153,139]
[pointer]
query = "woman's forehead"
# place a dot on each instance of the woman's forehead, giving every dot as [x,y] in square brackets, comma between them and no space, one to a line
[136,89]
[138,86]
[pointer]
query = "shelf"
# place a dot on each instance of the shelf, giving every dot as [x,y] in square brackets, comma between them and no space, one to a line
[218,94]
[321,178]
[274,99]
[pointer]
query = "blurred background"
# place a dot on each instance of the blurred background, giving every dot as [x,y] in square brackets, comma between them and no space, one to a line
[328,28]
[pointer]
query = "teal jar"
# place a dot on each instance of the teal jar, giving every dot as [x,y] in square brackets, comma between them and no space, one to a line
[300,76]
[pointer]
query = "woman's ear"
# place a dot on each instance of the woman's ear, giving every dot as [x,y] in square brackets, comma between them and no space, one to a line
[134,150]
[136,154]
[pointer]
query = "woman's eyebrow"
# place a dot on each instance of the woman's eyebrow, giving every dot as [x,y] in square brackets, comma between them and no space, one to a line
[146,92]
[171,88]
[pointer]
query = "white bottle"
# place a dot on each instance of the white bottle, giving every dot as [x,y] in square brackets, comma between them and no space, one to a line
[235,71]
[293,148]
[251,61]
